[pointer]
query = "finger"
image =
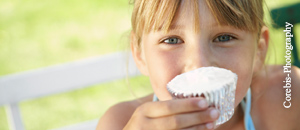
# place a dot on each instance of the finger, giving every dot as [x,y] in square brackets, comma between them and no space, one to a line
[171,107]
[207,126]
[186,120]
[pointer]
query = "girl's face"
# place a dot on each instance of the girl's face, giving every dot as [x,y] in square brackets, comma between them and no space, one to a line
[163,56]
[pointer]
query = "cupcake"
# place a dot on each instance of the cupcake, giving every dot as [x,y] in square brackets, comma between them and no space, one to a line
[216,85]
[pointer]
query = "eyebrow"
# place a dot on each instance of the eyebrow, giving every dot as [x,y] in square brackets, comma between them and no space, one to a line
[177,27]
[173,27]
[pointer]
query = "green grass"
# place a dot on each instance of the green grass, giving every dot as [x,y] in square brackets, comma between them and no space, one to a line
[276,50]
[40,33]
[37,33]
[3,120]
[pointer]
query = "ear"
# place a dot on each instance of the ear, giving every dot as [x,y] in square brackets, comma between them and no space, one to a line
[262,48]
[138,55]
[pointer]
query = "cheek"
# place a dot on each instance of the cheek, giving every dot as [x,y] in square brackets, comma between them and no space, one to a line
[242,65]
[244,81]
[163,67]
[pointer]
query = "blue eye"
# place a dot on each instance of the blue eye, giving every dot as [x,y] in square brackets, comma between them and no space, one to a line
[172,40]
[223,38]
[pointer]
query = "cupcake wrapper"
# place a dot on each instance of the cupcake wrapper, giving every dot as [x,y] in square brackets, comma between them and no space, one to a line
[223,100]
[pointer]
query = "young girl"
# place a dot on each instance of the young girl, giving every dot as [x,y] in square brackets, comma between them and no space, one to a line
[171,37]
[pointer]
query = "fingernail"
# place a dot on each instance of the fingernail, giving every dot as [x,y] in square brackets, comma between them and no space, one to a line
[214,113]
[209,125]
[202,103]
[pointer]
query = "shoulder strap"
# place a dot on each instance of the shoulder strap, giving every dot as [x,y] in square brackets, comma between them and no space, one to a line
[246,105]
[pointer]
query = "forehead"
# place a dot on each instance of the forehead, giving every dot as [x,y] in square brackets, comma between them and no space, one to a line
[194,17]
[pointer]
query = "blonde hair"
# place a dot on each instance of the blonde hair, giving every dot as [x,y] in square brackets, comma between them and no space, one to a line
[154,15]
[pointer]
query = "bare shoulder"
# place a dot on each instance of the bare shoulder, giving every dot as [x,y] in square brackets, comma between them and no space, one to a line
[117,116]
[286,84]
[280,102]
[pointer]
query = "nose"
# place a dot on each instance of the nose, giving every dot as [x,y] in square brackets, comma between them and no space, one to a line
[197,55]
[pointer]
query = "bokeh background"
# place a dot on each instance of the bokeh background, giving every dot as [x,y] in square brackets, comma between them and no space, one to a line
[40,33]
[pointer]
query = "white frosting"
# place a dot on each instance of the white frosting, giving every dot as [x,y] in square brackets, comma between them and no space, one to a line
[201,80]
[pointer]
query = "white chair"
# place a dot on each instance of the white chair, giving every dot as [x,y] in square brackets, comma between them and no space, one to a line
[16,88]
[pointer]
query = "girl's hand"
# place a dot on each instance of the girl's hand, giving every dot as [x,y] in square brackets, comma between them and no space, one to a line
[183,114]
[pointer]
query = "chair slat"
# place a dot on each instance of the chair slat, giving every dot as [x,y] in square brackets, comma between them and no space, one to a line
[14,117]
[65,77]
